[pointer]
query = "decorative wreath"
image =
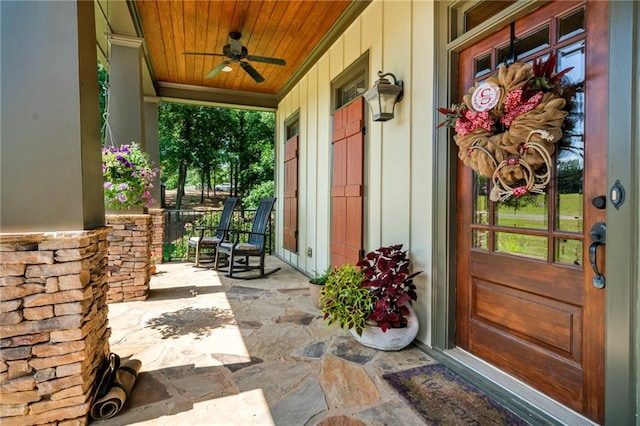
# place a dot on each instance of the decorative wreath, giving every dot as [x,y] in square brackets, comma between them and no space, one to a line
[507,126]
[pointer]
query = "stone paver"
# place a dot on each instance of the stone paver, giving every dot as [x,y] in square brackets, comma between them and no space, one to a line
[217,351]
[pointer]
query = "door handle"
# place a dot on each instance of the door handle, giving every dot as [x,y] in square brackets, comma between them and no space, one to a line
[598,238]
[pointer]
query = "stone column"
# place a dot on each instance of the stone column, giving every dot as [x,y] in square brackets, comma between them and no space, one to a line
[53,313]
[129,257]
[54,332]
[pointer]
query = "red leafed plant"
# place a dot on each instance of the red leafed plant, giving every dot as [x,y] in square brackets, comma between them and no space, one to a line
[387,276]
[543,76]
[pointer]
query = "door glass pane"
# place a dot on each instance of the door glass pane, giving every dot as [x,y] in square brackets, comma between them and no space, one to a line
[522,245]
[483,65]
[480,239]
[568,252]
[352,91]
[571,25]
[528,211]
[570,158]
[480,199]
[526,46]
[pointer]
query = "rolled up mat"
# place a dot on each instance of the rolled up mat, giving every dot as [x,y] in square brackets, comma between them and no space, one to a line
[111,404]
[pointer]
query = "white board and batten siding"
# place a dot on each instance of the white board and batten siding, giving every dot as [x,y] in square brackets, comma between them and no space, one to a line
[399,36]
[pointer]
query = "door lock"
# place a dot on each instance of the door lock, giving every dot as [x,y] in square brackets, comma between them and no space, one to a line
[598,238]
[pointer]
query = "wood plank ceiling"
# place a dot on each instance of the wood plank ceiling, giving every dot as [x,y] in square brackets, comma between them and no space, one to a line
[289,30]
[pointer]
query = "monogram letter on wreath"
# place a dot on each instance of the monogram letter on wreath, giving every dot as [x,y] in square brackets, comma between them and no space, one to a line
[508,125]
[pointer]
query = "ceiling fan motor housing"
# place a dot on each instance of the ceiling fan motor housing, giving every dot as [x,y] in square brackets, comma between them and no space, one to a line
[235,50]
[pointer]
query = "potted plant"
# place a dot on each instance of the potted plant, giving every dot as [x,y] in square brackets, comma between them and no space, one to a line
[387,276]
[128,177]
[343,300]
[386,321]
[152,267]
[316,283]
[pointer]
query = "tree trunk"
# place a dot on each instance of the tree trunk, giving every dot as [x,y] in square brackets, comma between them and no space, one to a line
[202,182]
[182,178]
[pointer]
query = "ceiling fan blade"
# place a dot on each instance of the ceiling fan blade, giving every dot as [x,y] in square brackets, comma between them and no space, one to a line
[217,69]
[252,72]
[267,60]
[202,53]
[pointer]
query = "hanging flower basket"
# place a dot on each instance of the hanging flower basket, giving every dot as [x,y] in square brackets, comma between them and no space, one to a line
[128,177]
[508,125]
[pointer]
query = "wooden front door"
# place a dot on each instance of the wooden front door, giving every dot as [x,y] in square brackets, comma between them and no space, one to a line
[526,302]
[347,184]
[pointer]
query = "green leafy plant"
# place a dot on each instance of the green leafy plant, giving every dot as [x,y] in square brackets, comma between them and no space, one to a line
[344,301]
[322,277]
[128,177]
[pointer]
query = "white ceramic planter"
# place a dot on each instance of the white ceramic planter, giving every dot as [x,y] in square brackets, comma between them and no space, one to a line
[393,339]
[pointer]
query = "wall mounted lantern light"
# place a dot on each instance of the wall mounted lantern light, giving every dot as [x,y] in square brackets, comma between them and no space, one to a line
[383,96]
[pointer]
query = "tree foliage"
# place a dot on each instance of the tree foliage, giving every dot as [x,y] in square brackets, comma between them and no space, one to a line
[220,144]
[215,144]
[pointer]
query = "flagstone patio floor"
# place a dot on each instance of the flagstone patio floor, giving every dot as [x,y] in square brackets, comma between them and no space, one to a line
[221,351]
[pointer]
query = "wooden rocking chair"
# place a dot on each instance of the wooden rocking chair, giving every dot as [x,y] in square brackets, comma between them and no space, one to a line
[254,247]
[206,242]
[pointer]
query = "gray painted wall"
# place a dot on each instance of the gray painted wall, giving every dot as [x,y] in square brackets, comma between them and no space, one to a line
[50,166]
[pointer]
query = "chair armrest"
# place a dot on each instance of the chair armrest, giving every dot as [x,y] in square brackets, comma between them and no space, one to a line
[204,228]
[238,232]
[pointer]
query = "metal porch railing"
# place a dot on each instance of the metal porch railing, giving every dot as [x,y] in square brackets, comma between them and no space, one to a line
[177,228]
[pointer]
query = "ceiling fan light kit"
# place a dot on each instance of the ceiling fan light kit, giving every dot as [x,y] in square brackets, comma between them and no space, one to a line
[235,51]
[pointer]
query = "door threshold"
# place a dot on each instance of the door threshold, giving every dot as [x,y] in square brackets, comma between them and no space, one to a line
[533,405]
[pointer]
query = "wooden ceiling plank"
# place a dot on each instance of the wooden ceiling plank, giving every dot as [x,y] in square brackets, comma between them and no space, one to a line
[284,31]
[270,22]
[150,17]
[190,29]
[295,21]
[239,14]
[164,13]
[324,16]
[265,27]
[177,12]
[212,21]
[200,45]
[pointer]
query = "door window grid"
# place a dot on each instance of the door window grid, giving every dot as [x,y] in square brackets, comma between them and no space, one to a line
[529,227]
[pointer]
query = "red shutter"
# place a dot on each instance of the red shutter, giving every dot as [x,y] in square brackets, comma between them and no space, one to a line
[290,240]
[348,179]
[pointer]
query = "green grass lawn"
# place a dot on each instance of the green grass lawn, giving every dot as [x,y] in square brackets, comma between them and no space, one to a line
[531,213]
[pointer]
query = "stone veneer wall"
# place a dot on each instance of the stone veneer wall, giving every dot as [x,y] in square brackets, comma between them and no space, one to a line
[129,257]
[157,233]
[53,325]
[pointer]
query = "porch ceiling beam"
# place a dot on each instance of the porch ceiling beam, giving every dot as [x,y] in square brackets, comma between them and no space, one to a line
[200,95]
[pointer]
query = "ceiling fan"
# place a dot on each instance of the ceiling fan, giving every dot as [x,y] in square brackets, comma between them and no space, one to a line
[235,51]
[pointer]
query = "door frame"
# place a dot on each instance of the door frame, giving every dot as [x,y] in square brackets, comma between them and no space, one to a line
[622,335]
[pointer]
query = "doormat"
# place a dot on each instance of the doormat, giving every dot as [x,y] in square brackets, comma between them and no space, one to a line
[442,397]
